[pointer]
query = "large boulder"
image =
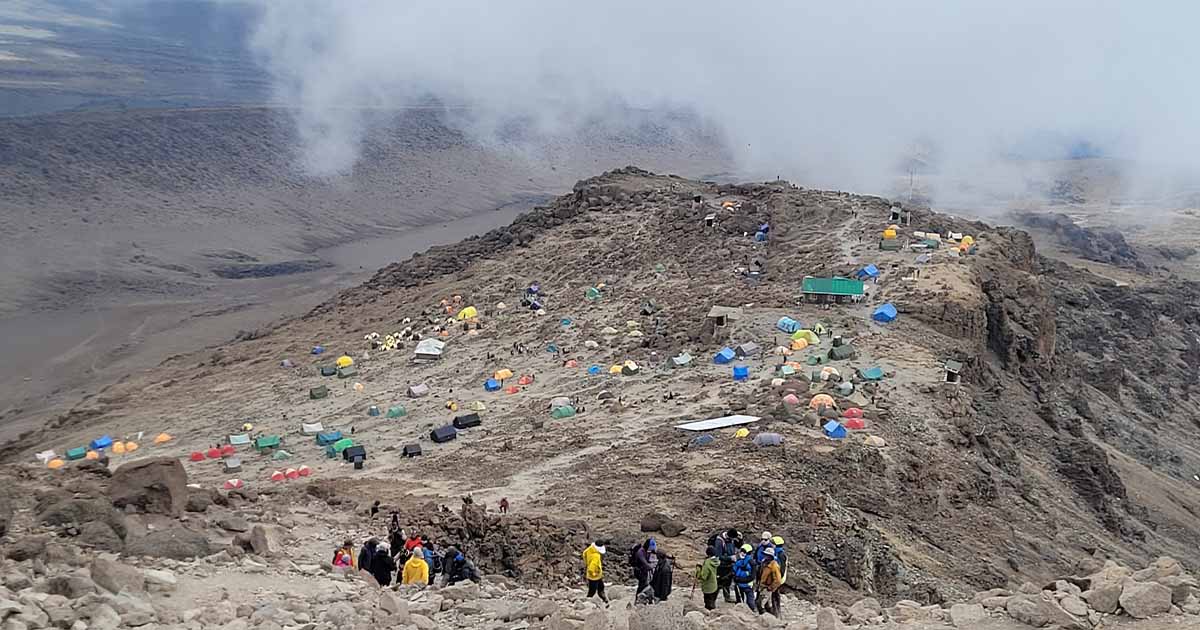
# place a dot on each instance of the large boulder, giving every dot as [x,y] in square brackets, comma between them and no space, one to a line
[177,543]
[1027,609]
[1142,600]
[100,535]
[116,577]
[1181,587]
[1103,596]
[156,485]
[865,611]
[265,541]
[1160,568]
[75,512]
[967,616]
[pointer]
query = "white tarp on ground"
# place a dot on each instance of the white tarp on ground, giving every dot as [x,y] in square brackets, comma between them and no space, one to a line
[311,429]
[717,423]
[430,348]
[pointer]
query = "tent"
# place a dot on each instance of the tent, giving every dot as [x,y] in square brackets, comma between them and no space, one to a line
[592,294]
[318,349]
[874,373]
[344,361]
[469,312]
[717,423]
[819,328]
[605,395]
[829,372]
[786,370]
[884,314]
[233,465]
[608,331]
[278,476]
[563,412]
[347,372]
[196,456]
[374,410]
[526,379]
[78,452]
[55,464]
[923,259]
[239,439]
[226,451]
[266,442]
[341,445]
[92,455]
[304,471]
[512,390]
[163,438]
[477,405]
[594,370]
[325,439]
[213,453]
[870,271]
[747,349]
[782,351]
[419,390]
[821,399]
[845,388]
[807,335]
[286,363]
[768,439]
[854,412]
[681,359]
[630,368]
[841,353]
[791,400]
[834,430]
[788,325]
[503,374]
[280,455]
[855,424]
[741,372]
[233,484]
[311,429]
[726,355]
[429,349]
[817,359]
[317,393]
[559,401]
[327,370]
[799,344]
[614,370]
[101,443]
[397,411]
[491,385]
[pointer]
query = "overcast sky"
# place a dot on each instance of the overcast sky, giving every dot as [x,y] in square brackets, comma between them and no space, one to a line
[827,93]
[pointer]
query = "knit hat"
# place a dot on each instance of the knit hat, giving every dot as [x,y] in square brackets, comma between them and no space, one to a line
[766,535]
[770,551]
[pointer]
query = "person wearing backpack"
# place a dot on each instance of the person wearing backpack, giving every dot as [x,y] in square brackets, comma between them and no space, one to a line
[642,558]
[726,543]
[706,577]
[744,571]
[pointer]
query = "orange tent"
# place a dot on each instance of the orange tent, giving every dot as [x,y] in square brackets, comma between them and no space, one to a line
[821,399]
[162,438]
[92,455]
[118,448]
[55,464]
[131,447]
[526,379]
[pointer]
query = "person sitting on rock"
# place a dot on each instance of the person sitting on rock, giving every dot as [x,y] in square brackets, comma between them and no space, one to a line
[382,565]
[343,558]
[416,570]
[458,568]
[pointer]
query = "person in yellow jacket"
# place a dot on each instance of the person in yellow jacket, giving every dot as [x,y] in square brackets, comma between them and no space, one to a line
[416,570]
[769,583]
[593,563]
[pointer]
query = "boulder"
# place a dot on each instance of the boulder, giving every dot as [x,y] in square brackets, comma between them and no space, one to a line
[157,486]
[672,528]
[76,512]
[1103,596]
[990,593]
[100,535]
[233,523]
[1142,600]
[864,611]
[177,543]
[1160,568]
[423,623]
[6,513]
[967,615]
[1181,587]
[70,586]
[116,577]
[653,521]
[26,548]
[1027,609]
[1074,605]
[101,616]
[1000,601]
[160,580]
[393,605]
[827,619]
[460,592]
[265,541]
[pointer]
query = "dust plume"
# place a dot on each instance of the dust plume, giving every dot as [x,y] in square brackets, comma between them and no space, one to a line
[831,94]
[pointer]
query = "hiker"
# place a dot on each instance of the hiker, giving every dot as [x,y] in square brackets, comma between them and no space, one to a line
[726,544]
[416,569]
[664,576]
[643,561]
[761,549]
[382,565]
[706,576]
[769,582]
[504,505]
[432,558]
[343,558]
[780,556]
[744,571]
[593,565]
[458,568]
[374,509]
[414,541]
[367,553]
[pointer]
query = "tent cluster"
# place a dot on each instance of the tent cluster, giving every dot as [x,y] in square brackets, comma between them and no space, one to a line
[96,449]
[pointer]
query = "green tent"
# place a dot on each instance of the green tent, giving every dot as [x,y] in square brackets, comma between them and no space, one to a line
[816,359]
[266,442]
[240,439]
[872,373]
[281,455]
[347,372]
[786,370]
[317,393]
[397,412]
[77,453]
[563,412]
[841,353]
[342,445]
[593,294]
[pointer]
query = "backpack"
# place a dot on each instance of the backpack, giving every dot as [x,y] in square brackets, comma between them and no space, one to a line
[437,564]
[633,556]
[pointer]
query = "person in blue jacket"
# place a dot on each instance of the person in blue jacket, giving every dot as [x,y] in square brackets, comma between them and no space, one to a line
[744,570]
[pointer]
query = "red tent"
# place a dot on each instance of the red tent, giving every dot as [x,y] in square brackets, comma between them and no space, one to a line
[233,483]
[304,471]
[855,424]
[228,450]
[197,456]
[854,412]
[277,476]
[291,473]
[513,390]
[213,453]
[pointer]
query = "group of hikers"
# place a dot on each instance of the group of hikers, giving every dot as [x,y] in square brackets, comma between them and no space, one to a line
[411,558]
[738,570]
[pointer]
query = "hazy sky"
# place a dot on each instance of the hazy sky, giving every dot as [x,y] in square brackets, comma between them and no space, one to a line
[826,93]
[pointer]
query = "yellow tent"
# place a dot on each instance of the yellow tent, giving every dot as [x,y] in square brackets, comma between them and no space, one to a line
[118,447]
[820,329]
[477,406]
[451,405]
[469,312]
[503,374]
[741,433]
[807,335]
[967,240]
[799,344]
[616,369]
[55,464]
[162,438]
[92,455]
[344,361]
[889,234]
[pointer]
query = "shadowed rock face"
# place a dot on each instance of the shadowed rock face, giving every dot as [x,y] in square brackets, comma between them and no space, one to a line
[1106,246]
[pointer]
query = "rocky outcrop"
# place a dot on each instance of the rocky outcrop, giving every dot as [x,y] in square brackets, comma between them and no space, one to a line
[156,486]
[177,543]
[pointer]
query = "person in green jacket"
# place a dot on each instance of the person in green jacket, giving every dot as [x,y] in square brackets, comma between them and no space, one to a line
[707,577]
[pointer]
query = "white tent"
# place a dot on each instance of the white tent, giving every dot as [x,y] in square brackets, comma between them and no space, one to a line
[559,401]
[311,429]
[430,348]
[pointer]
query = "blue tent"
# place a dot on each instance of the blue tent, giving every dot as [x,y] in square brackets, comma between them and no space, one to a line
[492,385]
[789,325]
[318,349]
[834,429]
[594,370]
[325,439]
[870,271]
[884,314]
[741,372]
[101,442]
[726,355]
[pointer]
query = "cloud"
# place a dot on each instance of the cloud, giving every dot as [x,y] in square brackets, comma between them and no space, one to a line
[831,94]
